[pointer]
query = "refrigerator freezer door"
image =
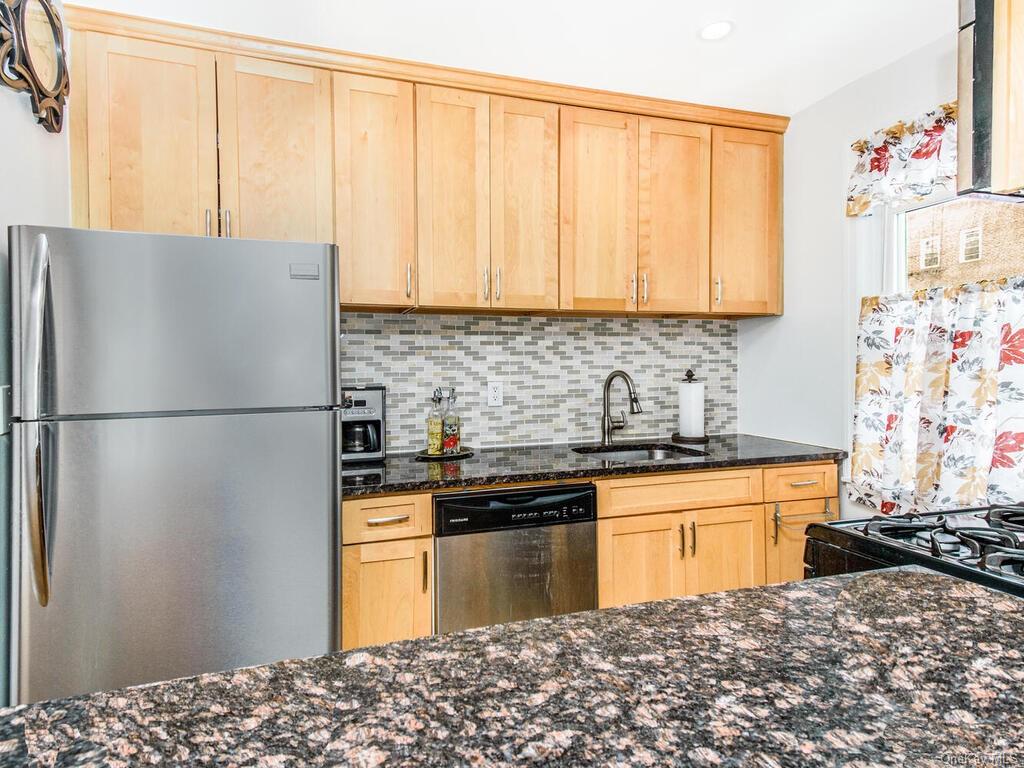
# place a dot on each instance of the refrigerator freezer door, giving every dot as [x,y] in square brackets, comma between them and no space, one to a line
[176,546]
[113,322]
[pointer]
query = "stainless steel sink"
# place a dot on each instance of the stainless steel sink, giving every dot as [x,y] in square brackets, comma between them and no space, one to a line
[627,453]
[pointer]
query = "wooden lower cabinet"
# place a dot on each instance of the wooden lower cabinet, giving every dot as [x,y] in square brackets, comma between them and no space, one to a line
[640,558]
[725,549]
[655,557]
[785,523]
[386,591]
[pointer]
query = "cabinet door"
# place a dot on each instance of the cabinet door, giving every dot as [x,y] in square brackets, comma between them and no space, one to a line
[675,216]
[746,221]
[524,203]
[151,119]
[1007,105]
[386,591]
[640,559]
[452,194]
[598,209]
[276,155]
[375,190]
[785,523]
[725,549]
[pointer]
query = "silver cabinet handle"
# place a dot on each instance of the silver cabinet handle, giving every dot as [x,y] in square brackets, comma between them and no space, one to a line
[778,521]
[387,520]
[497,284]
[209,222]
[408,281]
[718,290]
[693,537]
[828,509]
[645,288]
[682,540]
[632,289]
[425,581]
[487,282]
[227,223]
[803,484]
[32,353]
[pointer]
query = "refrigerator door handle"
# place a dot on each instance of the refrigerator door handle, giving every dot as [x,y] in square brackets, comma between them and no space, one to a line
[34,504]
[32,357]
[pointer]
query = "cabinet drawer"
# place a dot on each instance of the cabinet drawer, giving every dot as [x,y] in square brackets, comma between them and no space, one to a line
[795,483]
[384,519]
[674,493]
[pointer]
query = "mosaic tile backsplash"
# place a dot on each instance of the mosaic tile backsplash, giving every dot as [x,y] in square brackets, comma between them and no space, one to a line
[552,370]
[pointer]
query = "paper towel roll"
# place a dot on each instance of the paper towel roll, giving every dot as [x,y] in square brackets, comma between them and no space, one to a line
[691,409]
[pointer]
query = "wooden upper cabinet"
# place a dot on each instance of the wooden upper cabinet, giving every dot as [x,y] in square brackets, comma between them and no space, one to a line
[375,181]
[152,136]
[675,216]
[746,222]
[276,150]
[524,204]
[453,192]
[640,558]
[598,207]
[726,549]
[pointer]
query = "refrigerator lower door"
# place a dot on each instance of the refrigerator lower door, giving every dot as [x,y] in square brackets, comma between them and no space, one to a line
[173,546]
[124,323]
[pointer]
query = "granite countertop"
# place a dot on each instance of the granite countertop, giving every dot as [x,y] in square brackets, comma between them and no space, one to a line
[402,473]
[893,667]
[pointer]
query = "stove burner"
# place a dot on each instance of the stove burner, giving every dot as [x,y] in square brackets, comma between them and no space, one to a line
[1006,562]
[939,542]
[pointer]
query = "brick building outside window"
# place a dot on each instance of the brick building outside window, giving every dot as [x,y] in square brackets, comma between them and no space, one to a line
[964,241]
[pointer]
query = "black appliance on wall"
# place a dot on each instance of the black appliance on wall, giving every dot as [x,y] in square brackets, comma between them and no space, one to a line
[363,423]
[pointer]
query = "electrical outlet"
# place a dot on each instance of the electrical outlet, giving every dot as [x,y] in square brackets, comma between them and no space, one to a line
[495,394]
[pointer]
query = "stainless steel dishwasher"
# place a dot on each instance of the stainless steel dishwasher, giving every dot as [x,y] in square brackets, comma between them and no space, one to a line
[511,555]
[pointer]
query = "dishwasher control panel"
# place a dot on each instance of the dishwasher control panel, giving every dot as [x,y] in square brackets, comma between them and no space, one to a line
[480,511]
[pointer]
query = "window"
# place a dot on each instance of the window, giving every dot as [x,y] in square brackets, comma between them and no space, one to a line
[931,248]
[970,245]
[962,240]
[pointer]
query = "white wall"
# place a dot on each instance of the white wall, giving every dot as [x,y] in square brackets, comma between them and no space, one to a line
[796,372]
[648,47]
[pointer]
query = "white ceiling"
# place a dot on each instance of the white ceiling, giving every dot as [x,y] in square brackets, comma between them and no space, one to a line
[783,56]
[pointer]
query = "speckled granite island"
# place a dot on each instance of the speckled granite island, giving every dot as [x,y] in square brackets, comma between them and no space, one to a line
[896,667]
[402,473]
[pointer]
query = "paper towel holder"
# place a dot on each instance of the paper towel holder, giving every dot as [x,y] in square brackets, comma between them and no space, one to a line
[676,437]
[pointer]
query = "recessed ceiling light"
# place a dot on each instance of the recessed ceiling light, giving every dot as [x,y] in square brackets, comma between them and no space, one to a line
[716,30]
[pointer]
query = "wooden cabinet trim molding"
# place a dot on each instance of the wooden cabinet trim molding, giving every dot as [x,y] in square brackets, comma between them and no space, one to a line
[81,18]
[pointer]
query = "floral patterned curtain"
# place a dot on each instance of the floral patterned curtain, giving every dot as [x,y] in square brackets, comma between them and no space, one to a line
[939,409]
[905,162]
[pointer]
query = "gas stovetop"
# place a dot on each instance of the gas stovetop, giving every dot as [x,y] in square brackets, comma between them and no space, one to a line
[984,545]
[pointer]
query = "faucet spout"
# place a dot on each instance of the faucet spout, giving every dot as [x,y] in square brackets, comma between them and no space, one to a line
[609,424]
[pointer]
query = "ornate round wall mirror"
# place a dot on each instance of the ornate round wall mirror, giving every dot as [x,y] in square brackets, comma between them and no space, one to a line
[33,57]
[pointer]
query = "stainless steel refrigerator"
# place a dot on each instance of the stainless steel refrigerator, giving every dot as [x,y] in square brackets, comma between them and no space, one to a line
[174,472]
